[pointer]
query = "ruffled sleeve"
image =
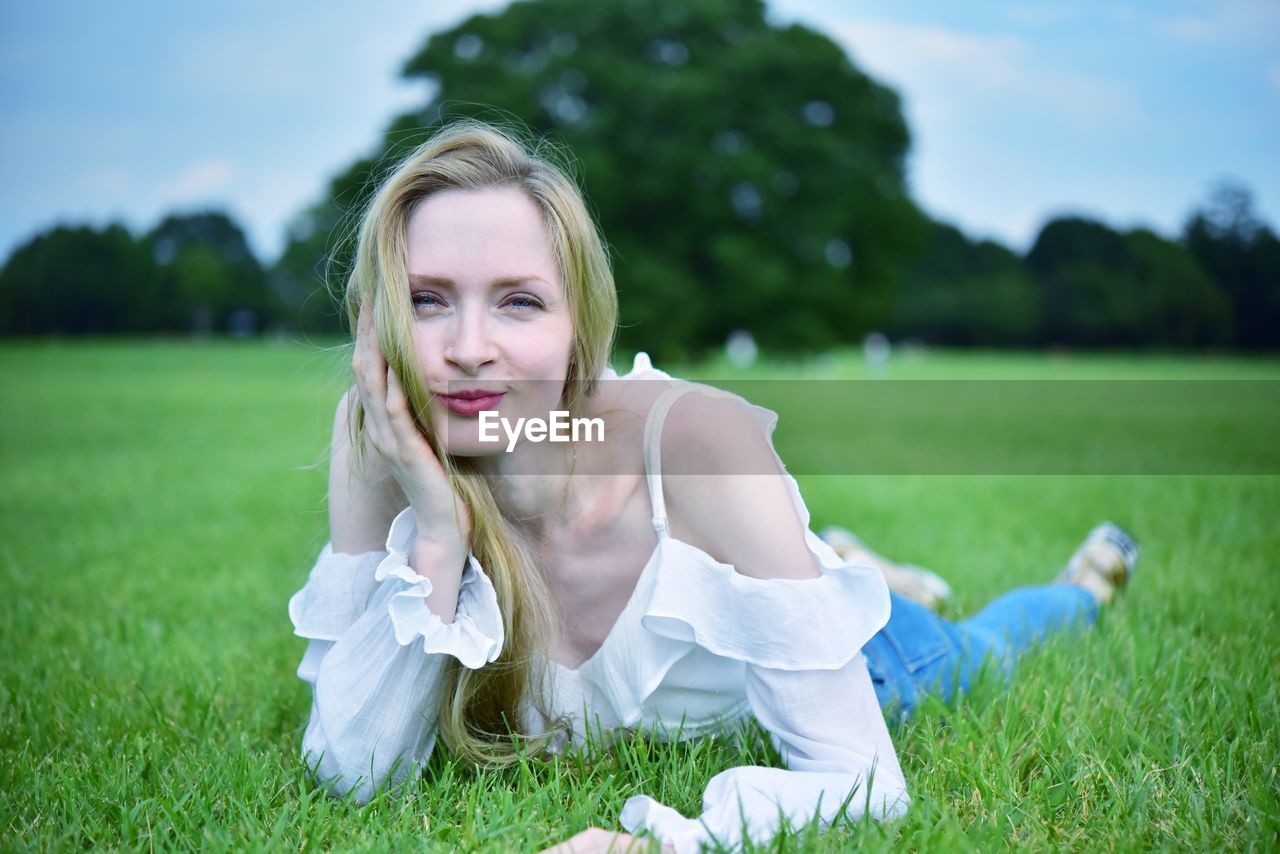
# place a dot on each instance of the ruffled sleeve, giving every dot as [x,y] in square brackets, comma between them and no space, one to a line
[376,680]
[336,593]
[806,682]
[778,623]
[474,637]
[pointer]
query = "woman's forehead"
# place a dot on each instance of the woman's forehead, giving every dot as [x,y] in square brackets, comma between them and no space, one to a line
[492,233]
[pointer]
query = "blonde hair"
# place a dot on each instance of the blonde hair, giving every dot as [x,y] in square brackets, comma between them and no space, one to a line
[480,709]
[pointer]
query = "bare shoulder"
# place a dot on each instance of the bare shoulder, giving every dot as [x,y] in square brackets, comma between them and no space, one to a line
[698,421]
[341,420]
[634,397]
[708,433]
[625,405]
[727,494]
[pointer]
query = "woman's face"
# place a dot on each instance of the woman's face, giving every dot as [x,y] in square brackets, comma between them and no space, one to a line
[490,313]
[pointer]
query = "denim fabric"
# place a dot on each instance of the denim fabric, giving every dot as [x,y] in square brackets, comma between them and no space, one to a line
[918,652]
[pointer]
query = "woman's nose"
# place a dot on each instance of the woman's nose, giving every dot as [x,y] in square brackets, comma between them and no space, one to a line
[471,343]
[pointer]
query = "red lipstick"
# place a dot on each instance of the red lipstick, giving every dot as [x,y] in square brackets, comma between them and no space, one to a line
[472,401]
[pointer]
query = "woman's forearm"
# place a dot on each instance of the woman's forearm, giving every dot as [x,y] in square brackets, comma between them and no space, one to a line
[363,500]
[441,564]
[361,514]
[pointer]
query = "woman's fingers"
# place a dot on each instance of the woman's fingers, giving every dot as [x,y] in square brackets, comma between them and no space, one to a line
[405,427]
[596,839]
[397,409]
[385,402]
[371,374]
[393,433]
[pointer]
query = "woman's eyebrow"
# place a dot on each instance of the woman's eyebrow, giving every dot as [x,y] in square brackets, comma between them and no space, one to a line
[445,282]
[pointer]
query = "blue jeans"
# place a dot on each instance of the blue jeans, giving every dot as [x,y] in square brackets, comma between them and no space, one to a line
[918,652]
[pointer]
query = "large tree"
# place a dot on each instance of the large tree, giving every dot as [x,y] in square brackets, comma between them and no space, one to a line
[210,273]
[967,293]
[1101,287]
[1077,262]
[192,271]
[1239,250]
[746,175]
[79,280]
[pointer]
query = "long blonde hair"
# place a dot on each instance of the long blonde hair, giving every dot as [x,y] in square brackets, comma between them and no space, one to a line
[480,710]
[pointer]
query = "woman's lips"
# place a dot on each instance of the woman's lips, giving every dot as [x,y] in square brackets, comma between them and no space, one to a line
[471,406]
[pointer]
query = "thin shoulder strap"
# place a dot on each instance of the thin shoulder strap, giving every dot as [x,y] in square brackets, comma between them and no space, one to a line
[653,452]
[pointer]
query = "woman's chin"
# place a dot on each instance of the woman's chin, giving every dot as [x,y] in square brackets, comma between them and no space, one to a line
[467,443]
[460,436]
[474,450]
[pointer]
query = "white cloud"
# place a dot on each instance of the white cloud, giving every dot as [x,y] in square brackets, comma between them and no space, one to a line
[1188,28]
[1227,22]
[311,95]
[270,198]
[1005,124]
[198,181]
[1047,15]
[951,74]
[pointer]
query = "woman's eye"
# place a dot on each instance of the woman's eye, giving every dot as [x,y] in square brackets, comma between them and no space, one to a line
[524,303]
[431,301]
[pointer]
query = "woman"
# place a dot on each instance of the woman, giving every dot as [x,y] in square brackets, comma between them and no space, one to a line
[507,595]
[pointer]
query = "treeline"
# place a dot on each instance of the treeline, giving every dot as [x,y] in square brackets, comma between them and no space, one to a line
[746,175]
[192,273]
[1084,284]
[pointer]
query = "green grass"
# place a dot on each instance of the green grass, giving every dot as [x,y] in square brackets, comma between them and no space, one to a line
[161,501]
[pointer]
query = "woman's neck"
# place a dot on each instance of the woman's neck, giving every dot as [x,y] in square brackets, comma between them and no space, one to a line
[535,485]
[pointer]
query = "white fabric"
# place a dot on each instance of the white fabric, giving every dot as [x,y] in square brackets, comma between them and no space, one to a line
[698,645]
[376,657]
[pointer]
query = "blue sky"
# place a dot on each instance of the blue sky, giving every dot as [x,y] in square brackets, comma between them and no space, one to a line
[1126,112]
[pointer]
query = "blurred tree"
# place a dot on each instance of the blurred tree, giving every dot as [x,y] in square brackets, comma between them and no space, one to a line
[202,281]
[1076,262]
[310,273]
[1102,287]
[1243,255]
[79,280]
[967,293]
[746,175]
[1182,306]
[210,273]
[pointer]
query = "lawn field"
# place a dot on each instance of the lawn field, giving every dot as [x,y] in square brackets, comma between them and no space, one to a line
[162,500]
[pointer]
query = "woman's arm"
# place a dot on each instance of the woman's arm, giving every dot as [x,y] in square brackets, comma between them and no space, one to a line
[375,660]
[380,631]
[726,492]
[362,502]
[796,614]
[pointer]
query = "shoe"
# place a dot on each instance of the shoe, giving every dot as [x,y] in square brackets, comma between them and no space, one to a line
[841,539]
[1104,562]
[914,582]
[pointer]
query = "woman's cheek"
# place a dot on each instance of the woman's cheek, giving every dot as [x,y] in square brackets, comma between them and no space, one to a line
[543,353]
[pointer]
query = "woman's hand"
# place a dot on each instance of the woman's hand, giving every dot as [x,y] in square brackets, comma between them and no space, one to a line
[363,500]
[400,448]
[597,839]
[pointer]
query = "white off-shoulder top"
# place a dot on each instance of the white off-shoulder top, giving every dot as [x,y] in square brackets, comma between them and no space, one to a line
[697,646]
